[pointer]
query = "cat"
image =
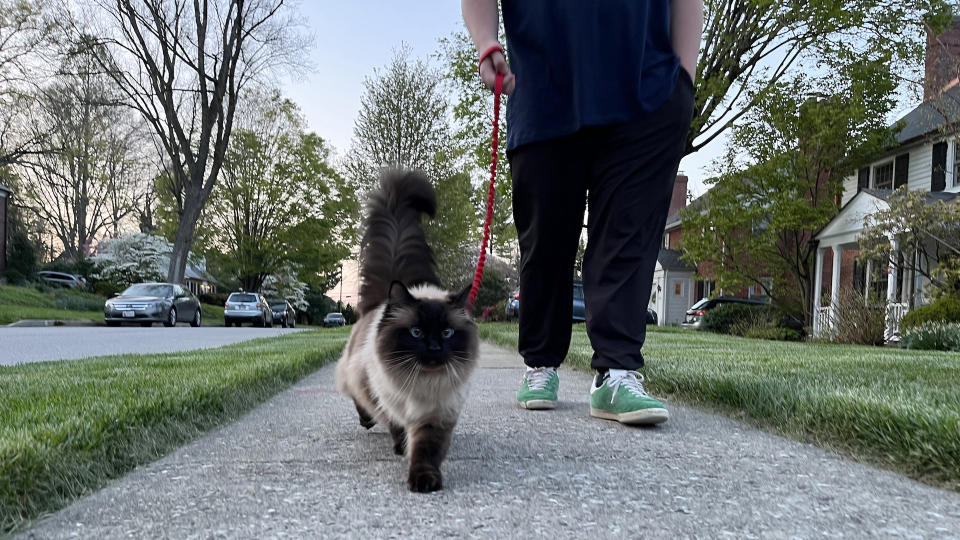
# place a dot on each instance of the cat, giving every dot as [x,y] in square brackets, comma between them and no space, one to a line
[411,352]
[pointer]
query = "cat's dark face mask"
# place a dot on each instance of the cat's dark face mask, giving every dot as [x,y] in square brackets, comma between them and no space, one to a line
[434,332]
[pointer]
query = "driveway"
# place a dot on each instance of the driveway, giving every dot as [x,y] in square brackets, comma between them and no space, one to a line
[25,345]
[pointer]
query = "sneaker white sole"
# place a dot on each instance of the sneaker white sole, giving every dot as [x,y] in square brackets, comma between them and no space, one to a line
[538,404]
[634,418]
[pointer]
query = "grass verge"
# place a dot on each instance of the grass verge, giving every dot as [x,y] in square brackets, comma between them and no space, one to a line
[69,427]
[18,303]
[893,408]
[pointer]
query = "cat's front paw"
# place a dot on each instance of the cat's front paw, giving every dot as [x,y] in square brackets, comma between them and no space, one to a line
[425,480]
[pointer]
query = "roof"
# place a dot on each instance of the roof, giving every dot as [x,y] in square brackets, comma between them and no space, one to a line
[193,272]
[931,115]
[5,189]
[669,259]
[675,220]
[931,196]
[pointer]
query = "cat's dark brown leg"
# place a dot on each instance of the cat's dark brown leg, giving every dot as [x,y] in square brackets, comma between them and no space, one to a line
[399,435]
[428,446]
[366,420]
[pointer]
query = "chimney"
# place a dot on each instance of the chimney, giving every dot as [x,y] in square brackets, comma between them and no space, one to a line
[679,198]
[942,60]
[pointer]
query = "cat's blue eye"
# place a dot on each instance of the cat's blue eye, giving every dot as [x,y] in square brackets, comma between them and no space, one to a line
[448,333]
[416,332]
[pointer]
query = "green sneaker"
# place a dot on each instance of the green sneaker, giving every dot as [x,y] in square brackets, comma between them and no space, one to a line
[620,396]
[539,388]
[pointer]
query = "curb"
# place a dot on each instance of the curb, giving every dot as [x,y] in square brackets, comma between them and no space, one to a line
[39,323]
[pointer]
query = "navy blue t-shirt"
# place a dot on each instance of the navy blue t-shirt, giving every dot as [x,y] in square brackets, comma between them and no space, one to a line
[585,63]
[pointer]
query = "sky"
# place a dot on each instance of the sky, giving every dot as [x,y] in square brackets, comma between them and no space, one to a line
[351,38]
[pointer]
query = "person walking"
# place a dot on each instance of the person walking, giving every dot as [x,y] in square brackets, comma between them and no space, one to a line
[601,100]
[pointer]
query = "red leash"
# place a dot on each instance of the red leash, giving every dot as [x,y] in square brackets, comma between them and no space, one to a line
[497,90]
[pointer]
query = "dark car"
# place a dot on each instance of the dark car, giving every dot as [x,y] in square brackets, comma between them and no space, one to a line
[283,313]
[147,303]
[651,316]
[694,316]
[62,279]
[579,309]
[333,320]
[248,307]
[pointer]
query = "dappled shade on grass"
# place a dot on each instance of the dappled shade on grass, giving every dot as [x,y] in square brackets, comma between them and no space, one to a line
[894,408]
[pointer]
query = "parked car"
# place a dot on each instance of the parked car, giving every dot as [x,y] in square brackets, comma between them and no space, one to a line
[63,279]
[283,313]
[651,316]
[243,307]
[333,320]
[147,303]
[579,308]
[694,316]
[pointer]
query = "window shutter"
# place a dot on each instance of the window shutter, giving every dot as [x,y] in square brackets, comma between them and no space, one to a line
[900,170]
[863,179]
[938,179]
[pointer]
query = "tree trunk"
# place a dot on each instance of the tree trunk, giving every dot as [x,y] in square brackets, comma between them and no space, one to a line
[184,239]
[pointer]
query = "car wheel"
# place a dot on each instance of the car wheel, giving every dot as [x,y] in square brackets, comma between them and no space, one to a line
[270,322]
[196,319]
[260,323]
[171,318]
[284,323]
[227,323]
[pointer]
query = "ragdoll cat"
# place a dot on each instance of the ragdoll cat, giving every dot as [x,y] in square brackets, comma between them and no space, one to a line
[414,346]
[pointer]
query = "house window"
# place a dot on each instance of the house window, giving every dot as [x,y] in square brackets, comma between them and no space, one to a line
[883,176]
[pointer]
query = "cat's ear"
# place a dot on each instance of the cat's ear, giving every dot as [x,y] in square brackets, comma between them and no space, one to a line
[460,299]
[399,294]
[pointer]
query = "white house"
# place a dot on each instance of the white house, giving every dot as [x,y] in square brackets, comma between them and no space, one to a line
[926,158]
[673,288]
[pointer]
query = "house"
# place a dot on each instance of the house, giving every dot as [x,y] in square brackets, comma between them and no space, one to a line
[197,279]
[5,194]
[925,158]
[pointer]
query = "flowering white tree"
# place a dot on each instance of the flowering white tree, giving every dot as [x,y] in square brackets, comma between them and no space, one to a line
[132,258]
[284,284]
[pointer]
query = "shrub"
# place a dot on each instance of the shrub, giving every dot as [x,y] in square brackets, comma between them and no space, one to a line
[857,321]
[21,259]
[495,313]
[773,333]
[932,336]
[945,309]
[723,318]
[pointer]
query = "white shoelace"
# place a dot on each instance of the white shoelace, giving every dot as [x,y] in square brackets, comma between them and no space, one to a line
[631,380]
[537,378]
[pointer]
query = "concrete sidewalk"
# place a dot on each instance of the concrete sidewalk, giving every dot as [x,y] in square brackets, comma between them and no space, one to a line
[300,466]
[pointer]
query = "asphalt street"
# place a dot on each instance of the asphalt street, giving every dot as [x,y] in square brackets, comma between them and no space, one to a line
[41,344]
[301,466]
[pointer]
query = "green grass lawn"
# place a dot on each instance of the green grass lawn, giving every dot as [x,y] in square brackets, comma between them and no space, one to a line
[20,303]
[68,427]
[894,408]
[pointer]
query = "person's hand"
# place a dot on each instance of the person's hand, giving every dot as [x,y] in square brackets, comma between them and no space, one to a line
[495,63]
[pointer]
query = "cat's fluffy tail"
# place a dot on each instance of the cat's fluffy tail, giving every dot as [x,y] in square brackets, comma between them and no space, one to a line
[394,247]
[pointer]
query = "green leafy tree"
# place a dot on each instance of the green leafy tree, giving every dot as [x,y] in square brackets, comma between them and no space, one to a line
[473,113]
[279,203]
[403,122]
[927,237]
[797,147]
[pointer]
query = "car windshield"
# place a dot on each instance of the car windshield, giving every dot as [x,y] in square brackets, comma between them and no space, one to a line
[279,307]
[334,315]
[148,289]
[242,298]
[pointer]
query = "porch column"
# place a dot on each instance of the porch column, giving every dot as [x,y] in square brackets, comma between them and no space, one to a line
[835,282]
[892,273]
[817,288]
[867,281]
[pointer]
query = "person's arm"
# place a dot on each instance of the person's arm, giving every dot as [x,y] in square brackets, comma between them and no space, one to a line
[483,21]
[686,30]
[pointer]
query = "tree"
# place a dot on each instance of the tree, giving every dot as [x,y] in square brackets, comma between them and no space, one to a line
[79,184]
[750,46]
[30,35]
[279,204]
[132,258]
[473,113]
[799,144]
[184,65]
[927,238]
[403,122]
